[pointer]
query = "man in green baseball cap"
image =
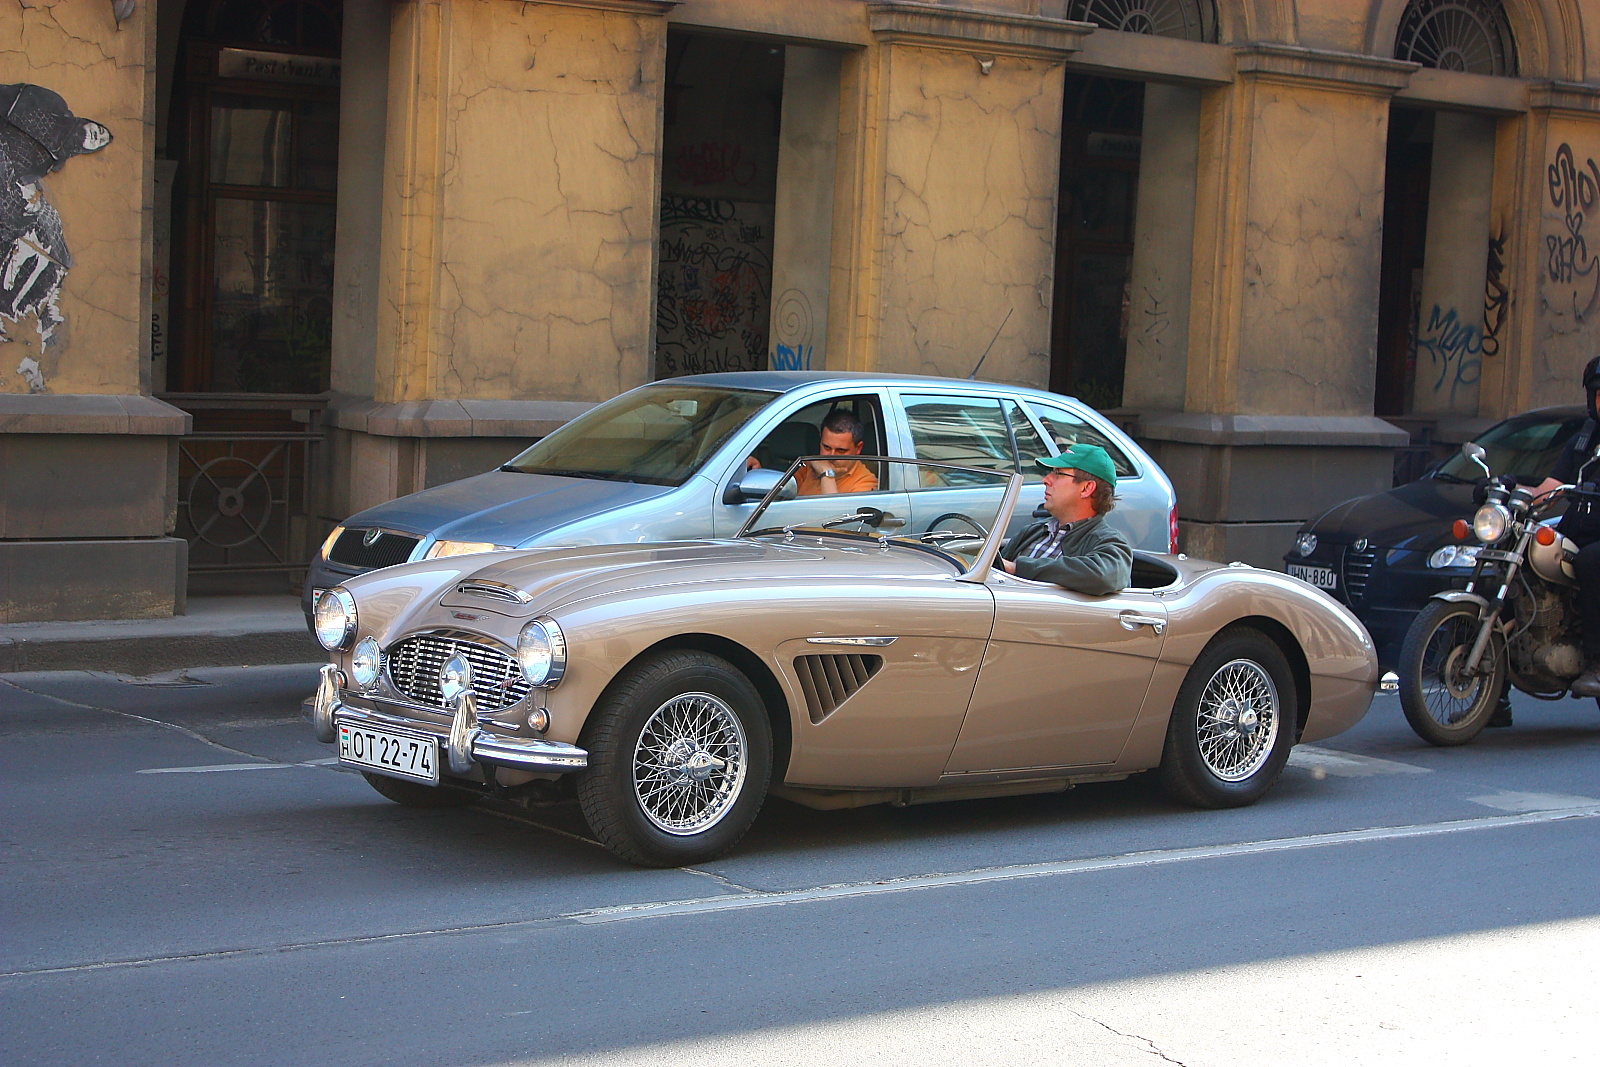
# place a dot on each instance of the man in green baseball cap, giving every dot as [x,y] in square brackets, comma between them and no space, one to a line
[1075,548]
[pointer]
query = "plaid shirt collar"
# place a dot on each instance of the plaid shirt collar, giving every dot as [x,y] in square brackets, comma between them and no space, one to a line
[1050,547]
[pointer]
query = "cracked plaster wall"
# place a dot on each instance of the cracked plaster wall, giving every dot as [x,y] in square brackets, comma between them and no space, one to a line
[968,226]
[545,218]
[1312,241]
[104,72]
[1567,253]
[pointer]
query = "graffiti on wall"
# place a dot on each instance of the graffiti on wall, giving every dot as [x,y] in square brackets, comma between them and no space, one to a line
[38,134]
[1454,348]
[1573,191]
[713,291]
[1496,297]
[794,345]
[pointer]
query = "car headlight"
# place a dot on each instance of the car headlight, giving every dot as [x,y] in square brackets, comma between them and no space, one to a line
[364,663]
[1305,544]
[334,619]
[542,652]
[327,546]
[441,549]
[1454,556]
[1491,523]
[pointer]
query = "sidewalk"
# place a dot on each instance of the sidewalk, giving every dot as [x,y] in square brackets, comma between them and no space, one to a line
[219,631]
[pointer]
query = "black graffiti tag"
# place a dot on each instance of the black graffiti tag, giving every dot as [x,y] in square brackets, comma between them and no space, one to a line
[1573,190]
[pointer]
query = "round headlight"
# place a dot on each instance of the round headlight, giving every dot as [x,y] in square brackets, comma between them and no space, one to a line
[1305,544]
[1454,556]
[1491,523]
[364,663]
[542,652]
[334,619]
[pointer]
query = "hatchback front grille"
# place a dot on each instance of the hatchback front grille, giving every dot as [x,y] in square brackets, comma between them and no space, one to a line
[829,681]
[414,664]
[1357,572]
[385,550]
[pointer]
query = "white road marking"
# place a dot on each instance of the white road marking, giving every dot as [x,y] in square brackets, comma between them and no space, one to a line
[1325,761]
[216,767]
[1160,857]
[1509,801]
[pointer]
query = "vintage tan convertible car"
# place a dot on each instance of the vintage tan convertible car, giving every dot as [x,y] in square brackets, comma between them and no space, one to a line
[832,654]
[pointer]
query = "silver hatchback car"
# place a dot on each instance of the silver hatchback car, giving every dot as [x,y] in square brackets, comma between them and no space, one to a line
[690,457]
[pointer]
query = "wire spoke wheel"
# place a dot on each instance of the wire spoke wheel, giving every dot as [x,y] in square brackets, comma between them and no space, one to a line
[1239,720]
[1445,703]
[689,763]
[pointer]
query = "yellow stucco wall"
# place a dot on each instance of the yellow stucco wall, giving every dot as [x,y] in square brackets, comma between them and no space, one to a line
[1566,327]
[104,72]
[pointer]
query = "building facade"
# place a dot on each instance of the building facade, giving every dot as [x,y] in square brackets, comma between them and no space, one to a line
[269,262]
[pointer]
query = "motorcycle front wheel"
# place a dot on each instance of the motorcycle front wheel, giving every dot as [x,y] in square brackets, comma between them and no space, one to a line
[1443,703]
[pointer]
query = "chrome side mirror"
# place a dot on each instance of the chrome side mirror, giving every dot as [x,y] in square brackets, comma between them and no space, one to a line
[1474,451]
[753,485]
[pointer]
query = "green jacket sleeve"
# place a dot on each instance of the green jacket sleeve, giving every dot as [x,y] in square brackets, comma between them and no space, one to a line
[1094,560]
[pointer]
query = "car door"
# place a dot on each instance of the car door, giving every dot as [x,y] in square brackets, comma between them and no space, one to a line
[968,430]
[1063,678]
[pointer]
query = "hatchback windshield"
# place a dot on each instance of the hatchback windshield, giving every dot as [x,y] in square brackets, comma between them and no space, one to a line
[934,507]
[659,436]
[1526,446]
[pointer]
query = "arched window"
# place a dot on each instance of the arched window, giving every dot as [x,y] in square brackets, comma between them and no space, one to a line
[1473,36]
[1191,20]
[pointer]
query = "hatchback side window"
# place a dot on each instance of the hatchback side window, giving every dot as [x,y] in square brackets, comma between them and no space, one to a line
[1029,443]
[963,431]
[1068,429]
[801,435]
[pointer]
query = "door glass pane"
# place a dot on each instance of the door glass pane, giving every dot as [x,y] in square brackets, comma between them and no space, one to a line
[968,432]
[272,308]
[316,153]
[250,142]
[1029,443]
[1068,429]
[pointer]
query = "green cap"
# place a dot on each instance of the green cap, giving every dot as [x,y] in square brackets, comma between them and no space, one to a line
[1090,459]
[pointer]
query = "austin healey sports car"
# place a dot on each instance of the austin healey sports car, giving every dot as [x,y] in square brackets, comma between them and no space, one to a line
[833,653]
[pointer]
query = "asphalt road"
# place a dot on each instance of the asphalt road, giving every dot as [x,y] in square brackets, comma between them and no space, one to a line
[187,881]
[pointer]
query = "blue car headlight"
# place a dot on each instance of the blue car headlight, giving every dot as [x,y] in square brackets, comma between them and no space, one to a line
[1454,556]
[1305,544]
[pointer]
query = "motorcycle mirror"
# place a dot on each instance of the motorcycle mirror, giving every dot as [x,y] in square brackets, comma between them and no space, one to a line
[1475,452]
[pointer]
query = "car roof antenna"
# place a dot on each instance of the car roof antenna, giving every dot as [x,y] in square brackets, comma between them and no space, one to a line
[992,340]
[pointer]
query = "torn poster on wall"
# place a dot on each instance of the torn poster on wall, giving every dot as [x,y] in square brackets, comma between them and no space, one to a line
[38,134]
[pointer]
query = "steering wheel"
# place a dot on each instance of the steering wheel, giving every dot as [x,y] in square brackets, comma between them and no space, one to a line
[933,527]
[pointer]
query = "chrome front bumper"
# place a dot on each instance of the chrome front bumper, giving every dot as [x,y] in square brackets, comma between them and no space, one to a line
[465,744]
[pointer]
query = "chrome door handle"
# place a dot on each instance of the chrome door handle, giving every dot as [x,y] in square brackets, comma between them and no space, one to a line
[1132,620]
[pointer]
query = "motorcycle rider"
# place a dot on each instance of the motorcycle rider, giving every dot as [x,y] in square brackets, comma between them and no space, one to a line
[1581,524]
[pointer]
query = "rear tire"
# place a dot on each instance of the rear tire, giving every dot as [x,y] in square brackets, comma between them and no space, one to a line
[417,795]
[680,755]
[1233,723]
[1444,706]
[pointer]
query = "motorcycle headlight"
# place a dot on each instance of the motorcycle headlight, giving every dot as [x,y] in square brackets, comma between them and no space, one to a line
[364,663]
[1491,522]
[1454,556]
[542,652]
[1305,544]
[334,619]
[441,549]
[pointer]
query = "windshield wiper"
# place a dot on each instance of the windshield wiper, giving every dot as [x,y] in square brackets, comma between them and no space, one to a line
[1444,476]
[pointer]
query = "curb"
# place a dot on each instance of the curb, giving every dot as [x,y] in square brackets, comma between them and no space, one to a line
[141,656]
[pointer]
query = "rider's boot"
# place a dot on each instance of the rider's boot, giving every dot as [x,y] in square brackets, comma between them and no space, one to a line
[1502,710]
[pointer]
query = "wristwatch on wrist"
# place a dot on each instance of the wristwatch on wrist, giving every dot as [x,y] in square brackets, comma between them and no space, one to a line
[829,473]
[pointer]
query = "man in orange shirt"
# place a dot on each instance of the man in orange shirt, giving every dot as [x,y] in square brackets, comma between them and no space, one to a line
[842,435]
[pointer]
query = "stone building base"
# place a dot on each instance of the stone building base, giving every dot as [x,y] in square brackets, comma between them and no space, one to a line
[64,581]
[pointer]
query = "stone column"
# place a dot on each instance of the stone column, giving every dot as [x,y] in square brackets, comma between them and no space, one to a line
[1450,325]
[1277,422]
[88,459]
[519,216]
[945,212]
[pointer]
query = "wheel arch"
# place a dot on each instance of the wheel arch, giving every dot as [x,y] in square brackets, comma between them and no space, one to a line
[1299,667]
[752,666]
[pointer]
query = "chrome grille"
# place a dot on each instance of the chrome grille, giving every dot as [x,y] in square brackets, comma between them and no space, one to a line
[829,681]
[413,666]
[1357,572]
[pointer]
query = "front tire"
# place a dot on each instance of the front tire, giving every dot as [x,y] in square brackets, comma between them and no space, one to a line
[1444,705]
[680,755]
[415,794]
[1233,723]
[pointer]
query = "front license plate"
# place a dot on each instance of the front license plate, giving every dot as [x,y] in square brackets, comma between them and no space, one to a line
[1321,577]
[389,752]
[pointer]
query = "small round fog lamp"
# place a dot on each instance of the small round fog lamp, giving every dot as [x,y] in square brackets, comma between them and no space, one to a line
[455,678]
[364,663]
[539,719]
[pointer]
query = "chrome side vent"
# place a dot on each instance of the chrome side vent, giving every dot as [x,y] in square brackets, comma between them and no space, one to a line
[493,591]
[829,681]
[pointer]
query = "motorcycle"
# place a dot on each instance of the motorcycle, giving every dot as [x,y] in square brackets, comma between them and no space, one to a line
[1517,621]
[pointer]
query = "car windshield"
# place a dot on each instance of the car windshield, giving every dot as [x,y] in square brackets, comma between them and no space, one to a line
[1526,446]
[658,435]
[938,508]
